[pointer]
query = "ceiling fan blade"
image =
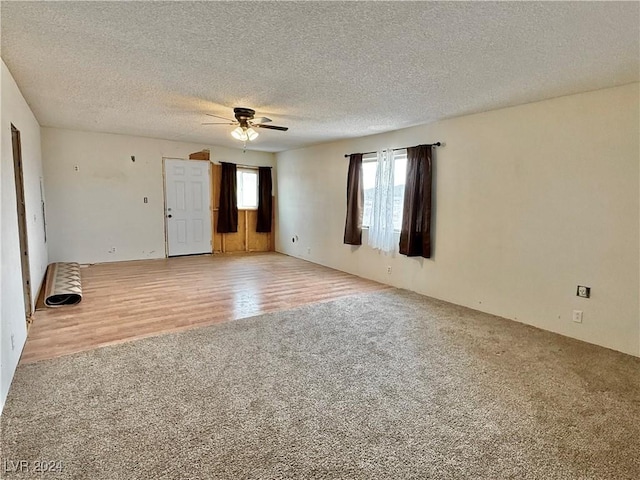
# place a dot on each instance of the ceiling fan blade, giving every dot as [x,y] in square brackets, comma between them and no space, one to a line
[261,120]
[219,123]
[218,116]
[271,127]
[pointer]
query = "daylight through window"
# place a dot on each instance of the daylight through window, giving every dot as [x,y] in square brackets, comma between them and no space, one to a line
[247,180]
[369,167]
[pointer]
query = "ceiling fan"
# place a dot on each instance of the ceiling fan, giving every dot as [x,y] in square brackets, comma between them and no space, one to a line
[246,121]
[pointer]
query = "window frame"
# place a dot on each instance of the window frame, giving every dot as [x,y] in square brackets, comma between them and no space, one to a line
[368,158]
[402,156]
[373,158]
[240,187]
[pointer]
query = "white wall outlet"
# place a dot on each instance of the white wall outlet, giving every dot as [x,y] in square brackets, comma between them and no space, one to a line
[389,270]
[76,168]
[112,250]
[577,316]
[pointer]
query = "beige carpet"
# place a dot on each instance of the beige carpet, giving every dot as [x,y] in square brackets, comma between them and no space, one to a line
[381,386]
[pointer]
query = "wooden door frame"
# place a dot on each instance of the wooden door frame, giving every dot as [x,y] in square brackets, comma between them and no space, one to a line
[164,200]
[16,146]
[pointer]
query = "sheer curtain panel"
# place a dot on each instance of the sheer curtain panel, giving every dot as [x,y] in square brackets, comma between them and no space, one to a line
[381,235]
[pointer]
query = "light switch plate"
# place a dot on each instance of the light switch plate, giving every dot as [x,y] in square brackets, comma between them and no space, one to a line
[584,292]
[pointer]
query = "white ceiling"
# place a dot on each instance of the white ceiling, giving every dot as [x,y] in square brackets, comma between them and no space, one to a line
[327,70]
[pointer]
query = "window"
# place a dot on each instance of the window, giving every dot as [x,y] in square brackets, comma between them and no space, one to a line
[247,180]
[399,179]
[369,167]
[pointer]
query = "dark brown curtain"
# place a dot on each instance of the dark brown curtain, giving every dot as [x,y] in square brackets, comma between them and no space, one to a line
[355,201]
[264,200]
[228,208]
[415,234]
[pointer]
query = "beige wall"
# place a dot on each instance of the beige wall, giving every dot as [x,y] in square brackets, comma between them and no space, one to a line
[530,201]
[101,205]
[13,331]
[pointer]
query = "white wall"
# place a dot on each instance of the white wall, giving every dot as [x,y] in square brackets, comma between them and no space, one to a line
[530,201]
[13,332]
[101,205]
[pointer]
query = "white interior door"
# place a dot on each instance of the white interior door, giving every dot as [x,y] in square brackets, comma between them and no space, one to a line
[188,206]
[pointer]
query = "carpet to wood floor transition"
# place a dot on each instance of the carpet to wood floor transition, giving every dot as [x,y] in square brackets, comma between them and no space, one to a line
[388,385]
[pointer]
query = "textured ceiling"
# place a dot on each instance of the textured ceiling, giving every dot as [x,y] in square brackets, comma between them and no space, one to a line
[327,70]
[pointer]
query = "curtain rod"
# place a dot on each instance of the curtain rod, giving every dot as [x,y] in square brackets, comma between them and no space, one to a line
[437,144]
[244,166]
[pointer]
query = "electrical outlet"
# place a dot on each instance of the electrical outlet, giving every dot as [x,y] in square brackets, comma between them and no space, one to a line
[76,168]
[577,316]
[112,250]
[389,270]
[584,292]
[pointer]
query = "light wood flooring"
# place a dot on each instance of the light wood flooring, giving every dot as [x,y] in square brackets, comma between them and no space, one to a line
[129,300]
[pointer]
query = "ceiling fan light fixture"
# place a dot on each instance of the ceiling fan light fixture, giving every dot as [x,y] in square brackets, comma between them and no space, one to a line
[245,121]
[245,134]
[240,134]
[251,134]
